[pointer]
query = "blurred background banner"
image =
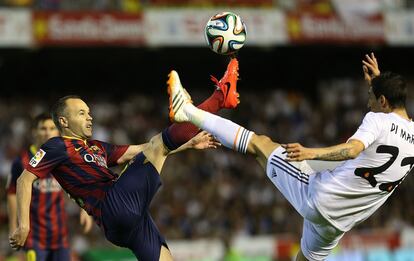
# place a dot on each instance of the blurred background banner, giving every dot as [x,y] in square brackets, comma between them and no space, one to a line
[199,249]
[185,27]
[331,28]
[160,27]
[399,28]
[15,28]
[170,27]
[88,28]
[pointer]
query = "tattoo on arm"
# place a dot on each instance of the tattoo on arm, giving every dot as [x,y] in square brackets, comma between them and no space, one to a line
[336,155]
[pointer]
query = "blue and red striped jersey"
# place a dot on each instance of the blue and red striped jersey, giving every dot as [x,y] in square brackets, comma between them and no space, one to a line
[81,167]
[48,228]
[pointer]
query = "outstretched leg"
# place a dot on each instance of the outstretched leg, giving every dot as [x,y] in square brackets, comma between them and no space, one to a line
[291,179]
[225,96]
[230,134]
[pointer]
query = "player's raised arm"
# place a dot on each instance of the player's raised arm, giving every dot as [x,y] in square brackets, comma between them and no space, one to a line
[370,68]
[343,151]
[201,141]
[24,195]
[131,152]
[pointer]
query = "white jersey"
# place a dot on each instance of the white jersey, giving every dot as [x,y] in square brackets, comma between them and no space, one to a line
[353,191]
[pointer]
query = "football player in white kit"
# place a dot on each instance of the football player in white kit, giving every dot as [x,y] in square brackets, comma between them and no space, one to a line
[376,159]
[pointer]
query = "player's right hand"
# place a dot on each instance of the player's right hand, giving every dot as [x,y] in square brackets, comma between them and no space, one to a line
[370,68]
[296,152]
[18,238]
[204,140]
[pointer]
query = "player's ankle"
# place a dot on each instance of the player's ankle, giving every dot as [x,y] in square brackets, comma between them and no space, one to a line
[189,109]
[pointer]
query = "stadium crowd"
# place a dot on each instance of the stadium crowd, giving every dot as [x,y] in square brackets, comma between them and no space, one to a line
[215,193]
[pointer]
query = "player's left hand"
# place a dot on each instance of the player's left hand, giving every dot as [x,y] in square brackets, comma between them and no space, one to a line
[296,152]
[18,238]
[370,68]
[204,140]
[85,221]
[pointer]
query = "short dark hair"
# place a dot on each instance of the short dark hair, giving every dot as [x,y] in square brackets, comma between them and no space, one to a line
[392,86]
[40,118]
[58,109]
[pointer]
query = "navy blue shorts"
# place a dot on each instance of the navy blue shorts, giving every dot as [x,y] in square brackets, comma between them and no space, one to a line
[125,215]
[60,254]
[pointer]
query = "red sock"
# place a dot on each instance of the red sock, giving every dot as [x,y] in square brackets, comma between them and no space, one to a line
[180,133]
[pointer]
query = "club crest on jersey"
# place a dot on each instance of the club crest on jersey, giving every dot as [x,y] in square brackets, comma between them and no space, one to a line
[95,148]
[37,158]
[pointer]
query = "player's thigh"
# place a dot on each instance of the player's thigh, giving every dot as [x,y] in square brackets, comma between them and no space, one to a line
[129,198]
[261,146]
[165,254]
[292,179]
[146,242]
[318,240]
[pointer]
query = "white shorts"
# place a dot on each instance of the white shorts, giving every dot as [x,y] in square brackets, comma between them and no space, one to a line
[292,179]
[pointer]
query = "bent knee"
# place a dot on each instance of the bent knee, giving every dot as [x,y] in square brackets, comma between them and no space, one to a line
[156,152]
[262,140]
[262,145]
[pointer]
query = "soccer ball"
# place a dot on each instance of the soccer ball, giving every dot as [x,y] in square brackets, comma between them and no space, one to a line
[225,33]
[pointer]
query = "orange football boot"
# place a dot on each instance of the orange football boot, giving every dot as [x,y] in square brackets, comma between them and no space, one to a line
[228,85]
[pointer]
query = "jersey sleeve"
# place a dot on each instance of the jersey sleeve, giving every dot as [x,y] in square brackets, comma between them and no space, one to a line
[16,170]
[48,157]
[369,130]
[114,152]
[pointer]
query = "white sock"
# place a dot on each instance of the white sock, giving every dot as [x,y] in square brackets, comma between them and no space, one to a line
[228,133]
